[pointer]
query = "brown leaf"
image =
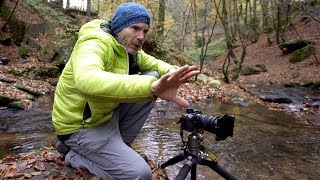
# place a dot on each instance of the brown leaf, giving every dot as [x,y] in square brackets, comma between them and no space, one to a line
[27,175]
[8,159]
[36,173]
[3,167]
[29,166]
[29,159]
[39,166]
[49,156]
[11,171]
[21,166]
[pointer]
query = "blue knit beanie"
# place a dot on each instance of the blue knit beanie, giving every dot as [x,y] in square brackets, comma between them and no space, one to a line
[128,14]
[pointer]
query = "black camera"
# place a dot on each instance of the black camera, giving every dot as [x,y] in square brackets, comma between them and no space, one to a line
[194,120]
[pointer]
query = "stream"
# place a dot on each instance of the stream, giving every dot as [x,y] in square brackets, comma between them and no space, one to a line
[265,144]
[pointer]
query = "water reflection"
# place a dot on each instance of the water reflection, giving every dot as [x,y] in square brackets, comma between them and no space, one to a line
[266,144]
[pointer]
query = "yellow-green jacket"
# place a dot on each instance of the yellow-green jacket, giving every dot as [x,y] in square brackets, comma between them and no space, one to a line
[96,80]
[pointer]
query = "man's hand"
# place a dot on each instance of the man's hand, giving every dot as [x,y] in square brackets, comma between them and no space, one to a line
[167,86]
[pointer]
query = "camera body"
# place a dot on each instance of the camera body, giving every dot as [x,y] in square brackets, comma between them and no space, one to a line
[194,120]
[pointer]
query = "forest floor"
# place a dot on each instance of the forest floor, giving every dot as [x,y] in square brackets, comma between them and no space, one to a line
[280,72]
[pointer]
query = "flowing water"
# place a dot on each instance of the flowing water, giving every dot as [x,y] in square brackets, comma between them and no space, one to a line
[266,144]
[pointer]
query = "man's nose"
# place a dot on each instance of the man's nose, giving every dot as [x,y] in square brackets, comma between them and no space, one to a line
[141,35]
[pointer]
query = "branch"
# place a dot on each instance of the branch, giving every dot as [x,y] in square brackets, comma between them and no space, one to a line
[313,17]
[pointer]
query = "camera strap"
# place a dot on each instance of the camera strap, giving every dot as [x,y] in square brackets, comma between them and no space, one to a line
[183,142]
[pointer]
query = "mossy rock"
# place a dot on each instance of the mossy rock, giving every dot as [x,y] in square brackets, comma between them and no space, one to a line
[250,70]
[4,100]
[206,79]
[262,67]
[28,90]
[302,54]
[16,105]
[48,71]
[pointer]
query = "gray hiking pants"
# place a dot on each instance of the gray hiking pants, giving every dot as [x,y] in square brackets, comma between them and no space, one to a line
[103,150]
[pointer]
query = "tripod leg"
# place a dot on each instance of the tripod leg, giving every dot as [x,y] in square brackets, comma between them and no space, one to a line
[194,172]
[185,170]
[225,174]
[172,161]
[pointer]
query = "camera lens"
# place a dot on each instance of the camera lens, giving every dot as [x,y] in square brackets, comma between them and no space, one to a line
[221,126]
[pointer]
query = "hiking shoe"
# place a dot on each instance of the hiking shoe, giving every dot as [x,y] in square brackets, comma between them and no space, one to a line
[61,147]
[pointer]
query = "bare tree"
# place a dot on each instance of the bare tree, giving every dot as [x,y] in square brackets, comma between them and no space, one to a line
[265,19]
[255,22]
[14,9]
[68,4]
[206,38]
[88,11]
[185,16]
[242,33]
[161,18]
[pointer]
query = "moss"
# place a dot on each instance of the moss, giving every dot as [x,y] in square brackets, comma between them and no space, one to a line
[24,50]
[16,105]
[48,71]
[4,100]
[262,67]
[249,70]
[14,71]
[302,54]
[28,90]
[207,79]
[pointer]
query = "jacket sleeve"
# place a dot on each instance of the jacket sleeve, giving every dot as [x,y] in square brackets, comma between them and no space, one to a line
[92,62]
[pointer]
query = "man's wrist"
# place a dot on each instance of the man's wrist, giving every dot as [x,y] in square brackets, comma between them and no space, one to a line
[153,90]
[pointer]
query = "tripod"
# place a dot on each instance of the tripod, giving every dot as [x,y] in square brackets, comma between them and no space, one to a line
[195,154]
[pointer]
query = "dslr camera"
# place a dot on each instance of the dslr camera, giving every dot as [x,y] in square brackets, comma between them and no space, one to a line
[194,121]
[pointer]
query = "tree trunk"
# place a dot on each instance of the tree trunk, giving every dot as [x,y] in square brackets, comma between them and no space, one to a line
[68,4]
[194,17]
[205,43]
[161,18]
[98,7]
[88,12]
[255,21]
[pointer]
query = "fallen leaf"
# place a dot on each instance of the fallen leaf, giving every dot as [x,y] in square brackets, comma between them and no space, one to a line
[36,173]
[10,172]
[27,175]
[49,156]
[39,166]
[8,159]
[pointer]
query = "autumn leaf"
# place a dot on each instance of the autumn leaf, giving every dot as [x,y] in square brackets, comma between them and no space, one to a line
[29,159]
[8,159]
[39,166]
[48,156]
[27,175]
[36,173]
[3,167]
[10,172]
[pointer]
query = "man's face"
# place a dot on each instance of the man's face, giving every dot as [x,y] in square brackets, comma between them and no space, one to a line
[133,36]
